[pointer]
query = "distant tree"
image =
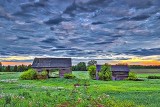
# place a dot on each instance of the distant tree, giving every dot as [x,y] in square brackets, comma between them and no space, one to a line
[0,67]
[82,66]
[92,62]
[74,68]
[122,64]
[15,69]
[3,68]
[19,69]
[8,68]
[29,66]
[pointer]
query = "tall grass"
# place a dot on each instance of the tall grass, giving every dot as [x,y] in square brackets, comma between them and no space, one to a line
[58,92]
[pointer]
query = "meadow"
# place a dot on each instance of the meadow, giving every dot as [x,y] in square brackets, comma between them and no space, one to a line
[59,92]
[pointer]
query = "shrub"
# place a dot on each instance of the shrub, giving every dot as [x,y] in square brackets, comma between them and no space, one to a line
[136,79]
[69,76]
[29,75]
[153,77]
[132,76]
[92,71]
[44,73]
[105,73]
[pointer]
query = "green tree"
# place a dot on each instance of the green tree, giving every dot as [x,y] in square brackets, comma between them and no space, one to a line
[0,67]
[74,68]
[21,68]
[92,71]
[105,73]
[29,66]
[81,66]
[8,68]
[92,62]
[15,69]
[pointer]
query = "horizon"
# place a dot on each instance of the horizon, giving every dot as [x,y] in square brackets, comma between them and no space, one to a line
[101,62]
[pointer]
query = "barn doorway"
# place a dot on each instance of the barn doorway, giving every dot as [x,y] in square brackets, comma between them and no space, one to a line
[53,73]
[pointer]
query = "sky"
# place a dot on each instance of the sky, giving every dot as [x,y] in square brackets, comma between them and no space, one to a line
[109,31]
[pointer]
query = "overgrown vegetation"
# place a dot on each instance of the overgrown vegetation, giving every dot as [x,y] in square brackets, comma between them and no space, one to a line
[92,71]
[69,76]
[132,76]
[59,92]
[105,73]
[42,75]
[77,96]
[154,77]
[29,75]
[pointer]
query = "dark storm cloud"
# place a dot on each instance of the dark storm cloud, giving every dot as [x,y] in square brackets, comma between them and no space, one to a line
[145,52]
[79,27]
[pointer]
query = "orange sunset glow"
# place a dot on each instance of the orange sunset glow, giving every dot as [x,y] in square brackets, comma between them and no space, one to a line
[129,62]
[141,62]
[15,63]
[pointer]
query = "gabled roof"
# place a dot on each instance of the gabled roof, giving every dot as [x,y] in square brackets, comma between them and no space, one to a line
[117,68]
[52,62]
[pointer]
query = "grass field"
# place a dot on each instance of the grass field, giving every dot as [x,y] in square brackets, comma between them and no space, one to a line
[146,71]
[51,92]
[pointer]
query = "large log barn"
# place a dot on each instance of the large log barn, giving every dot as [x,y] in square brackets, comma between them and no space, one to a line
[62,65]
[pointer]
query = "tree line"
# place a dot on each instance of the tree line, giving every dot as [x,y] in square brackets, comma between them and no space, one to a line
[82,66]
[144,67]
[19,68]
[141,66]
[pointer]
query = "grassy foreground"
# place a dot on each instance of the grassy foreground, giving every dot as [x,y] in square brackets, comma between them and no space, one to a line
[57,92]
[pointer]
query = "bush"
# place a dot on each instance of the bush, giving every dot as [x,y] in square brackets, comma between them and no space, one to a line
[136,79]
[42,75]
[132,76]
[105,73]
[69,76]
[153,77]
[29,75]
[105,76]
[92,71]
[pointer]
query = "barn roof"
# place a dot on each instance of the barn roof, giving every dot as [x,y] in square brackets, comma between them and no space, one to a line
[52,62]
[117,68]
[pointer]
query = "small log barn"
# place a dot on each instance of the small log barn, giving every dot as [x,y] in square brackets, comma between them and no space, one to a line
[119,72]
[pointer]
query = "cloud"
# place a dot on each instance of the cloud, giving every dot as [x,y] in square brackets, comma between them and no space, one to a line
[80,28]
[145,52]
